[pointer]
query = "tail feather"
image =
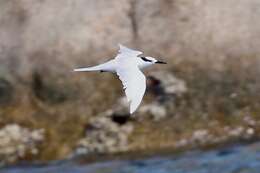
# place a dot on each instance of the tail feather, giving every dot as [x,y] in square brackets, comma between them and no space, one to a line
[85,69]
[108,66]
[94,68]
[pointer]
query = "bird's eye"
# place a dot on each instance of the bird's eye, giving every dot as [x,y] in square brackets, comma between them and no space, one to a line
[145,59]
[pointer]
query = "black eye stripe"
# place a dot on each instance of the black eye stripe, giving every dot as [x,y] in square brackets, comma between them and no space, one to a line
[145,59]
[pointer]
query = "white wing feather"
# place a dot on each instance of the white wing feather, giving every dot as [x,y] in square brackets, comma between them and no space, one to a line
[134,85]
[128,51]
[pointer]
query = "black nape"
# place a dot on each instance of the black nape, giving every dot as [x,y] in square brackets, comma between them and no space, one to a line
[145,59]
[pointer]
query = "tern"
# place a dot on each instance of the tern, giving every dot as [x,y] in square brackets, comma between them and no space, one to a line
[127,65]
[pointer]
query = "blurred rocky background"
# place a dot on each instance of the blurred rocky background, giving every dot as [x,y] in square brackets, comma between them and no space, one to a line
[209,93]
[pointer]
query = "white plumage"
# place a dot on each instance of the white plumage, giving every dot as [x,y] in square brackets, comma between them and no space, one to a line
[127,66]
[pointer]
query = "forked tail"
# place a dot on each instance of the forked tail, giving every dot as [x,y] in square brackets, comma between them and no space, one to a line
[86,69]
[107,66]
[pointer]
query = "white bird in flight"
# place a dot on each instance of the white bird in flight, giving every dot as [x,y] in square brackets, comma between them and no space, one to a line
[127,65]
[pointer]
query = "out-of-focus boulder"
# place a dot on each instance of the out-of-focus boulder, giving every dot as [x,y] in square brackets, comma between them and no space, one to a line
[164,86]
[205,137]
[43,34]
[103,135]
[156,110]
[161,83]
[17,142]
[199,29]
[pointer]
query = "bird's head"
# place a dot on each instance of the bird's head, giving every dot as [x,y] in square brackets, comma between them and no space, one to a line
[147,61]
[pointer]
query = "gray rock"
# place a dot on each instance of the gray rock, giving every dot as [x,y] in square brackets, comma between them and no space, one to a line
[16,142]
[199,29]
[155,110]
[200,136]
[163,83]
[104,136]
[164,87]
[35,33]
[56,30]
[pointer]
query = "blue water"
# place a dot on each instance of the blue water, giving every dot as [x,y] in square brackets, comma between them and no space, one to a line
[239,159]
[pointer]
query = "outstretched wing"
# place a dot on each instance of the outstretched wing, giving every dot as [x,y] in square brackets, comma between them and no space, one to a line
[128,51]
[134,85]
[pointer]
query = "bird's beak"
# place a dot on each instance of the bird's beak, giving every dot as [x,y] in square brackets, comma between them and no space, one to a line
[160,62]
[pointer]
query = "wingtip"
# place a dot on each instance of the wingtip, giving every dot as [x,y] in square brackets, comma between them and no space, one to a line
[132,110]
[121,47]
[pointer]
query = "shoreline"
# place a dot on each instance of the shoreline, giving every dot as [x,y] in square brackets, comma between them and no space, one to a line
[134,155]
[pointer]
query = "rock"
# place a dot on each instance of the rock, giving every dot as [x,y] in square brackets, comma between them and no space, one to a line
[240,132]
[169,82]
[103,135]
[198,29]
[236,132]
[155,110]
[164,86]
[250,121]
[45,34]
[181,143]
[17,142]
[249,132]
[201,136]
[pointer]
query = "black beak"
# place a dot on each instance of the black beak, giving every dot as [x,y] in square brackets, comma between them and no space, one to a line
[160,62]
